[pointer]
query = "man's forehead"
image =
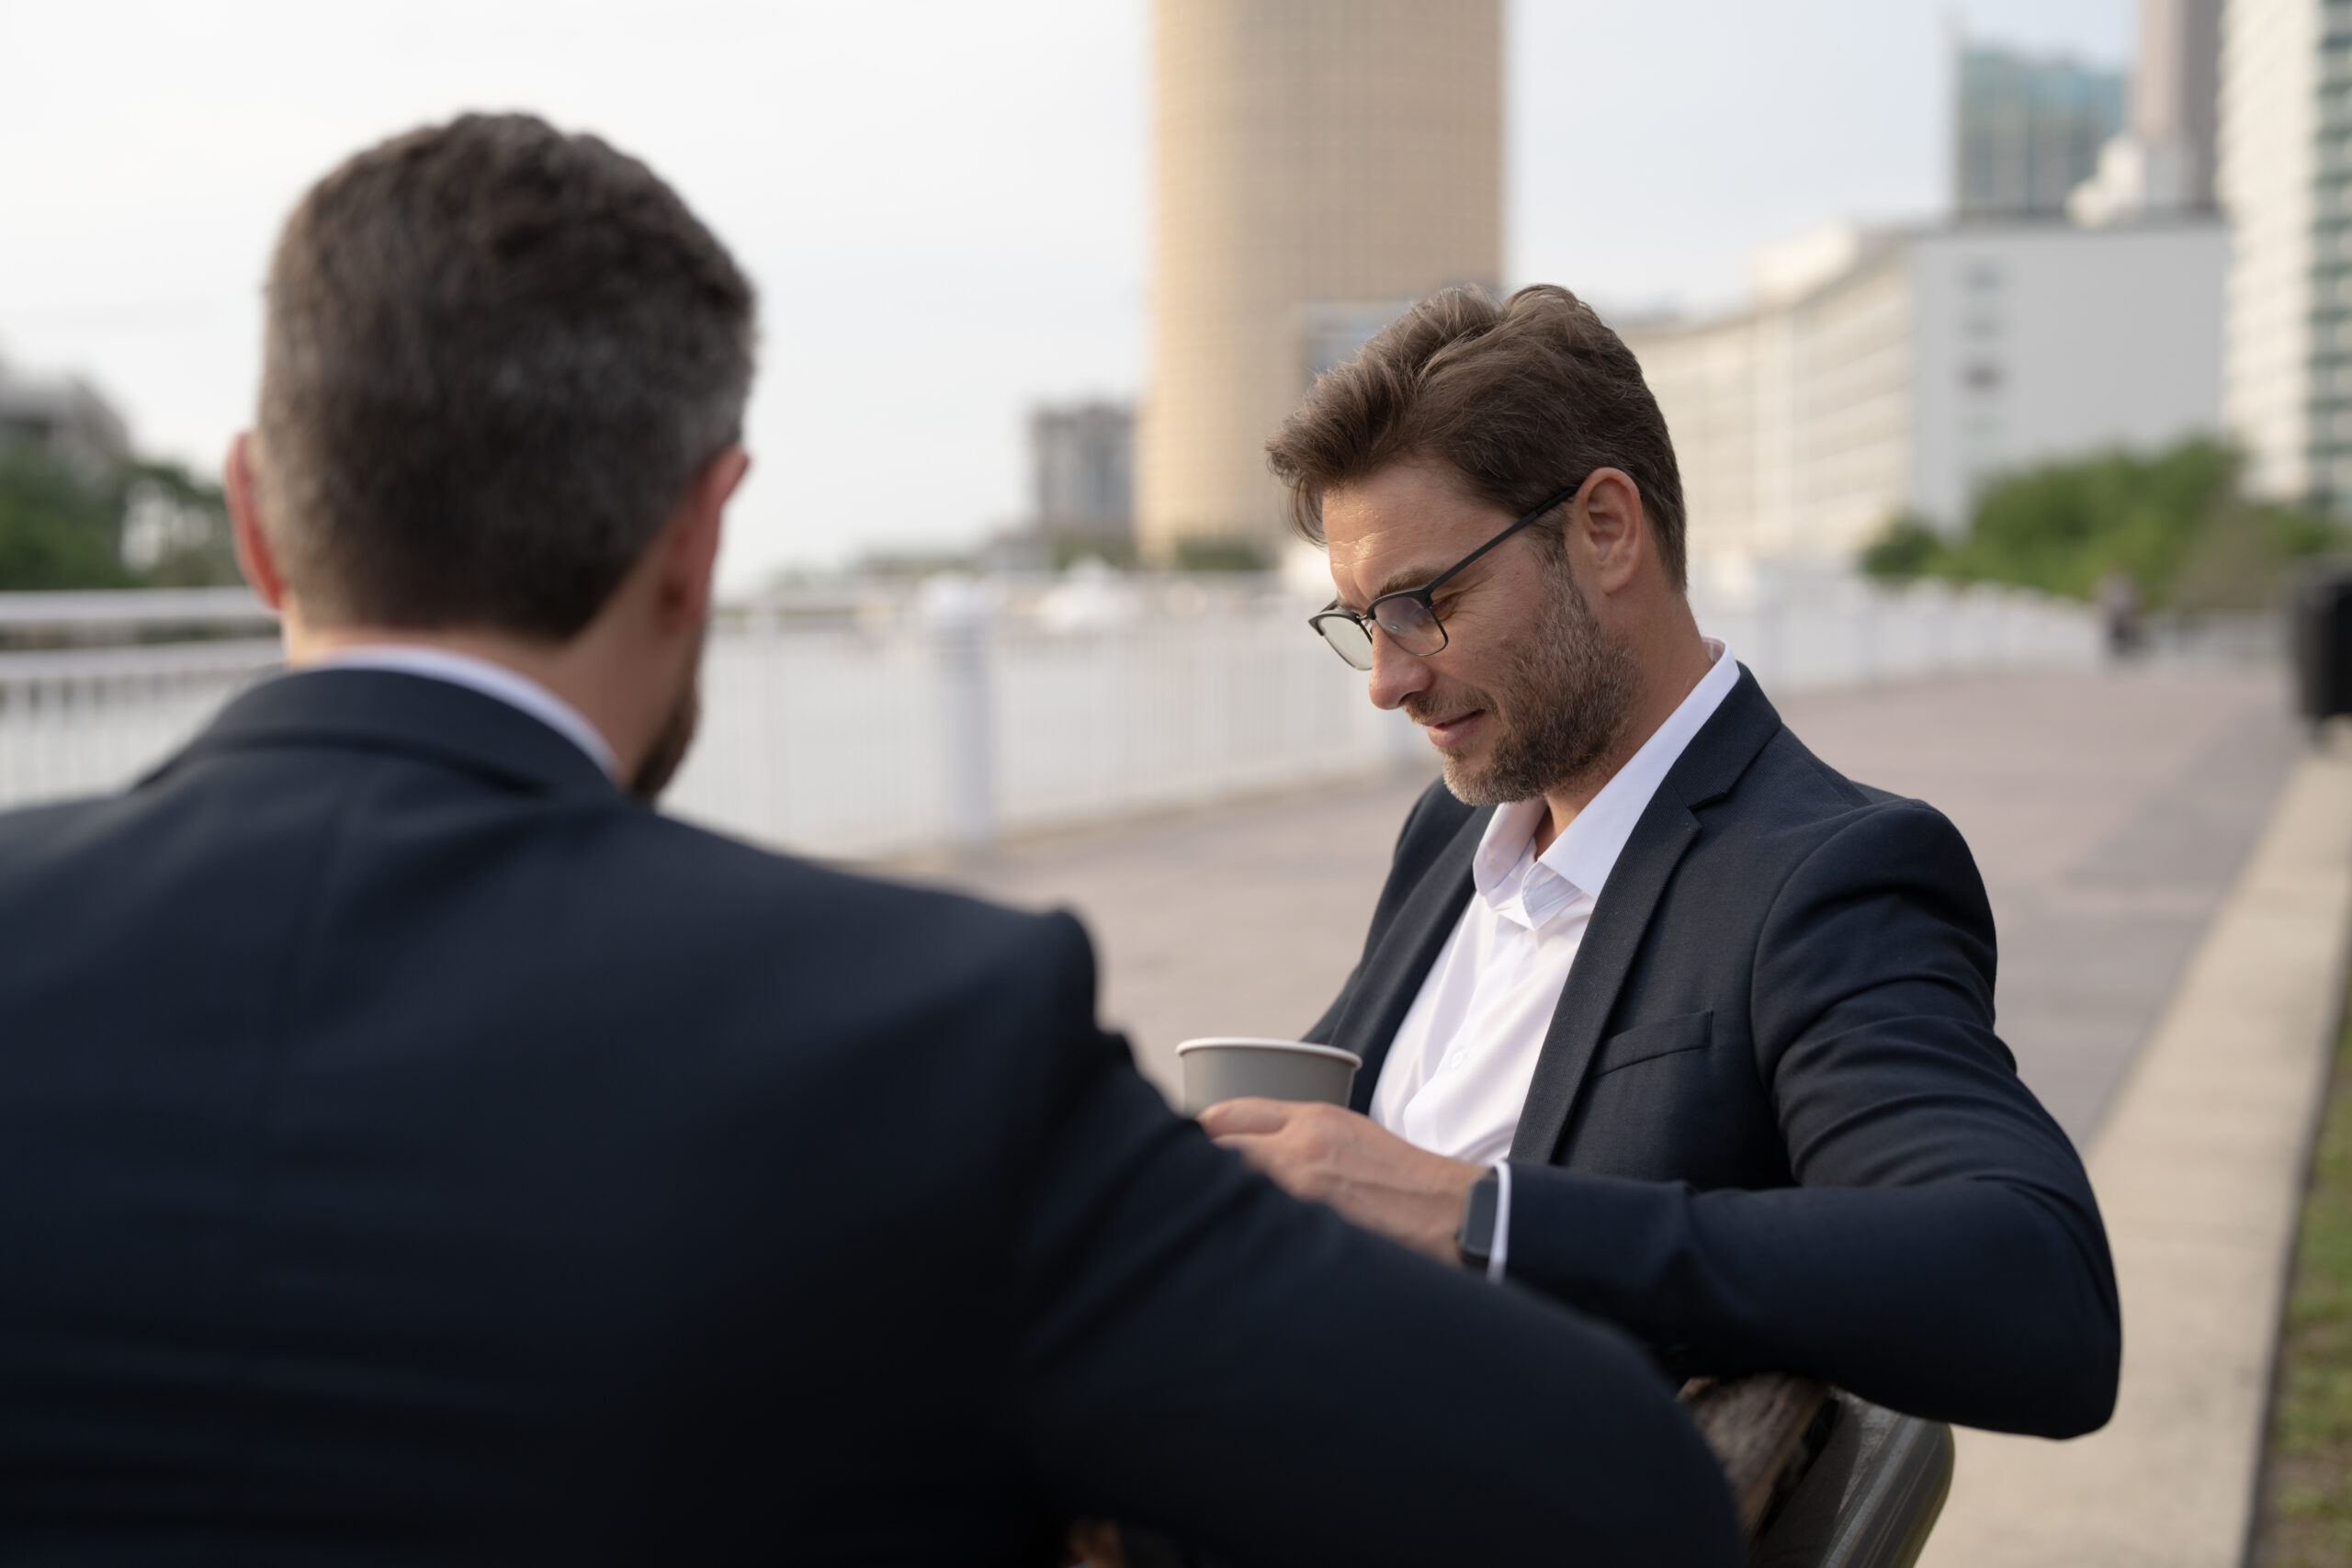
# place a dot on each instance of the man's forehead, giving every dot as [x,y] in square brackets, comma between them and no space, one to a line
[1386,561]
[1402,526]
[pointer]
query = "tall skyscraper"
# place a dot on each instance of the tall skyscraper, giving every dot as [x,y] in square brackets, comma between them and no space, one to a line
[1321,164]
[2164,163]
[2029,132]
[2176,97]
[2286,183]
[1082,470]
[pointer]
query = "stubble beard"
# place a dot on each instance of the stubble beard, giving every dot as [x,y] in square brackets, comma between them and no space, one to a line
[675,738]
[1558,708]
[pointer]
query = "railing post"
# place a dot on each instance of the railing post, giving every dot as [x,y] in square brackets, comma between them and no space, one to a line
[957,617]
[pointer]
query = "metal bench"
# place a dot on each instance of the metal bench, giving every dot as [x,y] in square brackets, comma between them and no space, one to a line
[1822,1479]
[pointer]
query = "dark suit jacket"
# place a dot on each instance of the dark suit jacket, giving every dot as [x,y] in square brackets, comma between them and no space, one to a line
[1771,1127]
[412,1150]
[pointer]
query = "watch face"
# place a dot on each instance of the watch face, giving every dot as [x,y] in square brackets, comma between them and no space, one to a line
[1476,1238]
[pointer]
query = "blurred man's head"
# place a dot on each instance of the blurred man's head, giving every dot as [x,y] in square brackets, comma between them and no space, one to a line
[1461,418]
[503,366]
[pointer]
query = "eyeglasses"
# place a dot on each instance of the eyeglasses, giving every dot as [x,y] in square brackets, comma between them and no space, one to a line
[1409,615]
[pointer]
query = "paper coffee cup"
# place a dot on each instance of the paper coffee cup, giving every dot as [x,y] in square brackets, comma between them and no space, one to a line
[1225,1067]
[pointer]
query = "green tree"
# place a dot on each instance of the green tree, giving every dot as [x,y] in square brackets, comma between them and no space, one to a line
[57,528]
[2176,520]
[1908,548]
[1224,553]
[174,530]
[141,524]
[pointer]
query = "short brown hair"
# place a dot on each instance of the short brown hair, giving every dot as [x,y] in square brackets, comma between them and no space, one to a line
[496,356]
[1521,397]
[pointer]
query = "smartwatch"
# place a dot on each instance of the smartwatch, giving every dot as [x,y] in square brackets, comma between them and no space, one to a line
[1475,1236]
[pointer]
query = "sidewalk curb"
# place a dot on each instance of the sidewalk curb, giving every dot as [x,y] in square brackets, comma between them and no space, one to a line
[2200,1174]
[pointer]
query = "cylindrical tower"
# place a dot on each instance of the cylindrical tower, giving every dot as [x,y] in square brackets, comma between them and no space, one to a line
[1321,164]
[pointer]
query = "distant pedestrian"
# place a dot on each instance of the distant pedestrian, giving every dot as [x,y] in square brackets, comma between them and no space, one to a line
[2118,606]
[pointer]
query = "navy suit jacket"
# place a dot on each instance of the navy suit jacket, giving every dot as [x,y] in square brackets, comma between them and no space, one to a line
[413,1150]
[1771,1127]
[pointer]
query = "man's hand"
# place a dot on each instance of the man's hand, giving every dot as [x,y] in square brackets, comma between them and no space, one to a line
[1341,1158]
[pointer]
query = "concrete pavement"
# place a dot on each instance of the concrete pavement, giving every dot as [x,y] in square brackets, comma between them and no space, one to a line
[2199,1173]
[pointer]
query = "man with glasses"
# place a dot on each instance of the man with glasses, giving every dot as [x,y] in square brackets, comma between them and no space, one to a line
[1661,1016]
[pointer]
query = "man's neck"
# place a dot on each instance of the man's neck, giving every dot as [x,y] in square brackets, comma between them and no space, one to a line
[567,671]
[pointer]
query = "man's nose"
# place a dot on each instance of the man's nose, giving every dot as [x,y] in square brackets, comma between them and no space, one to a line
[1395,674]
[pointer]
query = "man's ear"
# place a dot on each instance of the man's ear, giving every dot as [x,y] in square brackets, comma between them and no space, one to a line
[690,543]
[1613,528]
[253,557]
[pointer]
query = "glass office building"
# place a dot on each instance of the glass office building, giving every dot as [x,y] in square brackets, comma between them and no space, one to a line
[2029,131]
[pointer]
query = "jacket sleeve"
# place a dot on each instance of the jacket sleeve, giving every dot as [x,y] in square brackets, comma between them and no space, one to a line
[1201,1355]
[1942,1252]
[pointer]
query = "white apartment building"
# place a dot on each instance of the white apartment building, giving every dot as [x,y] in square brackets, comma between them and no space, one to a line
[1879,373]
[2283,176]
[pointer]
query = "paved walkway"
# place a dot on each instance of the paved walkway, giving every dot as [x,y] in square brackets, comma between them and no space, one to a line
[2110,812]
[2200,1171]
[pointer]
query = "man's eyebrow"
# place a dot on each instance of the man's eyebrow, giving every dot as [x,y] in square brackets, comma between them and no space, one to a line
[1397,583]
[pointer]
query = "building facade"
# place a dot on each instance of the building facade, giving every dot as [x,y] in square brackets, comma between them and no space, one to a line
[1082,470]
[62,417]
[1890,373]
[1320,165]
[2028,131]
[2164,160]
[2176,90]
[2285,181]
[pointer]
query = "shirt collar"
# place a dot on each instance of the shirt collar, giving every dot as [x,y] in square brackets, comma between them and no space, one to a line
[1587,849]
[510,686]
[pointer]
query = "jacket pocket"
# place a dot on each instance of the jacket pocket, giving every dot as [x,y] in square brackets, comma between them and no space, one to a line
[1646,1042]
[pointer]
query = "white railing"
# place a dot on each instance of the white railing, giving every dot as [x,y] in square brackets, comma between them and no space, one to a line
[1807,630]
[79,721]
[974,710]
[874,720]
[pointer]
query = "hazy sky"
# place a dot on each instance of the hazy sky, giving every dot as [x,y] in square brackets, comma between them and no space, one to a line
[944,202]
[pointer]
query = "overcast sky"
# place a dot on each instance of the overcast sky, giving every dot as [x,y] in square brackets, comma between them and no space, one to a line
[944,202]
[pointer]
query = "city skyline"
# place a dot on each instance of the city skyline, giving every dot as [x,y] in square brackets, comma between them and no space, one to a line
[946,212]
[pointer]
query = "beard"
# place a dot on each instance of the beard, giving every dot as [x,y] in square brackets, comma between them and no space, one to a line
[1558,704]
[673,740]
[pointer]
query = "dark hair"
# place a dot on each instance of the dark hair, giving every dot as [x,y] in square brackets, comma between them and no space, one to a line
[496,356]
[1521,397]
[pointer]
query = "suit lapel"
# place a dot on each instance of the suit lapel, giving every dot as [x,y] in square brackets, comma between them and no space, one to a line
[1610,939]
[1707,770]
[1406,953]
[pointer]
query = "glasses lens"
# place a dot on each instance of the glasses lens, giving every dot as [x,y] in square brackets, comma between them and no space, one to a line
[1410,623]
[1347,639]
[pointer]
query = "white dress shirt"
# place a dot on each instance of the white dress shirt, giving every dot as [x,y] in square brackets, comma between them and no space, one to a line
[1456,1076]
[491,680]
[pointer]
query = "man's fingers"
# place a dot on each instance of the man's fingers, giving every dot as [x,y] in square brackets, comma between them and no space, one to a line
[1276,1159]
[1228,1117]
[1255,1148]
